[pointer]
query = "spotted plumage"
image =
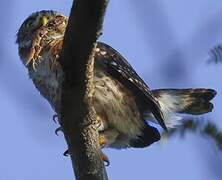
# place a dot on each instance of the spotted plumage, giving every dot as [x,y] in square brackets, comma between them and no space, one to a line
[123,102]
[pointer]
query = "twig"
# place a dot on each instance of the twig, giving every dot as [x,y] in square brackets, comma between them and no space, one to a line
[206,129]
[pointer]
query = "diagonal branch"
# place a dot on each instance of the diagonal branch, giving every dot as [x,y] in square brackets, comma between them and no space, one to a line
[77,113]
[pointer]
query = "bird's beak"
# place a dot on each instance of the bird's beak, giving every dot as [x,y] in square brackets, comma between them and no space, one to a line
[44,21]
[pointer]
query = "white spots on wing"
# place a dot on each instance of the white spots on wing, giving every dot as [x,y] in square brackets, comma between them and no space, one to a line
[97,49]
[114,63]
[124,69]
[136,80]
[103,53]
[130,75]
[130,79]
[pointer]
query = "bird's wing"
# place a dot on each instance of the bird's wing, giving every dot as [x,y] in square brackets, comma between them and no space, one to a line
[118,67]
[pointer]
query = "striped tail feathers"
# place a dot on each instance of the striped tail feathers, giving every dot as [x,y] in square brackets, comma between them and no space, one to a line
[187,101]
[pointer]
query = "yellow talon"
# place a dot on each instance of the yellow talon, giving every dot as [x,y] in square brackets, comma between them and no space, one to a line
[102,141]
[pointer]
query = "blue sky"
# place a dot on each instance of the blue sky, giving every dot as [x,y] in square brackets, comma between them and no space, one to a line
[167,42]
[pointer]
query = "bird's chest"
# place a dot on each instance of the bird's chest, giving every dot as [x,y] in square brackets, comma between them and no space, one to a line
[47,77]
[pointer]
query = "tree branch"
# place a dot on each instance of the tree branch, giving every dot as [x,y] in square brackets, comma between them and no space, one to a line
[77,112]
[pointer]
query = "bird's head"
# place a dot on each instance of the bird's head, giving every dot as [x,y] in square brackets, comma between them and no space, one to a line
[45,20]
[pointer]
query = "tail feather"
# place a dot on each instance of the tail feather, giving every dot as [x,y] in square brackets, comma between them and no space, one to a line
[188,101]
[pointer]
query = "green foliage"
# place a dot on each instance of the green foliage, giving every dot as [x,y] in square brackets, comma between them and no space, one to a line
[215,55]
[203,128]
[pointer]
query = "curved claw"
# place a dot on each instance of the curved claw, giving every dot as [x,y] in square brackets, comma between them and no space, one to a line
[55,118]
[57,131]
[105,159]
[66,153]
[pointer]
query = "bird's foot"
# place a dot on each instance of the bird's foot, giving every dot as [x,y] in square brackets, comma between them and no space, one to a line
[55,118]
[57,130]
[66,153]
[104,158]
[102,141]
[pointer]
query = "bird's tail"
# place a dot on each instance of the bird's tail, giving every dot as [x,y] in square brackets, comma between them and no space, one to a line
[188,101]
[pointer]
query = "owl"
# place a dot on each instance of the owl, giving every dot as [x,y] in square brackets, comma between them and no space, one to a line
[124,104]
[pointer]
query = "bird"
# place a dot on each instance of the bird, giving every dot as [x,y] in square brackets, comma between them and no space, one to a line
[126,108]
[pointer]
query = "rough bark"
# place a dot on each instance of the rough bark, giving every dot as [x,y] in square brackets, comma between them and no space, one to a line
[78,118]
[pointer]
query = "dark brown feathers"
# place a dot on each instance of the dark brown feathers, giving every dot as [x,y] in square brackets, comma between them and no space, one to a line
[189,101]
